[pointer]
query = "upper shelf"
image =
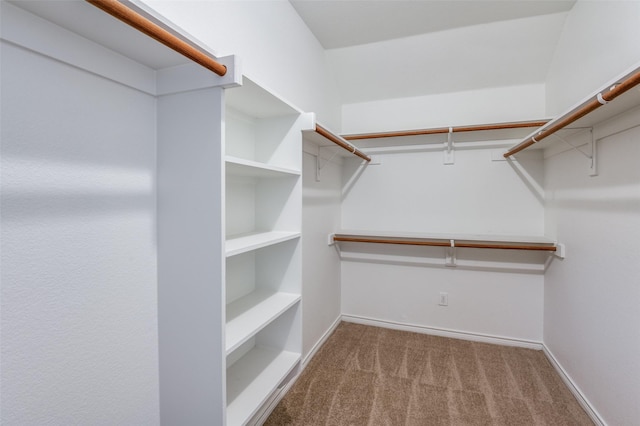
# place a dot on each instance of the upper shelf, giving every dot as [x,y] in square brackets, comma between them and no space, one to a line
[616,97]
[467,133]
[248,168]
[257,102]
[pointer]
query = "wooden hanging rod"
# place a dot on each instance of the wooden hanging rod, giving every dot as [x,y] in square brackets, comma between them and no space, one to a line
[142,24]
[440,130]
[446,243]
[341,142]
[594,103]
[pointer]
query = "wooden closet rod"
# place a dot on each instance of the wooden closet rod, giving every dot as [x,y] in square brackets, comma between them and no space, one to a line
[440,130]
[431,243]
[599,100]
[142,24]
[341,142]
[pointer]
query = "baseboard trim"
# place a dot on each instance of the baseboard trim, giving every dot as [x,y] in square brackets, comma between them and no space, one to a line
[320,342]
[456,334]
[266,412]
[575,390]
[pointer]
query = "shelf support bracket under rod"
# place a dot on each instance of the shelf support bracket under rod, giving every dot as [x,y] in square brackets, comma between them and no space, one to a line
[592,156]
[449,157]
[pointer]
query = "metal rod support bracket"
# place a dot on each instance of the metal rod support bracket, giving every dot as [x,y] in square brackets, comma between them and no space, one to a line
[450,255]
[449,157]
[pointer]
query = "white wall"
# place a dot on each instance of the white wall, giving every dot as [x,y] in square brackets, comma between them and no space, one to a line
[502,53]
[598,43]
[591,298]
[416,192]
[79,297]
[277,50]
[321,304]
[481,106]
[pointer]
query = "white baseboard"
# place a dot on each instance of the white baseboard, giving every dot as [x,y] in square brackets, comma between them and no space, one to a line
[455,334]
[320,342]
[575,390]
[266,411]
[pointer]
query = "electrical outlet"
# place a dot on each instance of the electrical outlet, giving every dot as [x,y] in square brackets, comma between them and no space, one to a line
[444,299]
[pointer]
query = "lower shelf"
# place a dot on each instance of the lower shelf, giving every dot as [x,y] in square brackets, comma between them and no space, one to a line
[253,378]
[248,315]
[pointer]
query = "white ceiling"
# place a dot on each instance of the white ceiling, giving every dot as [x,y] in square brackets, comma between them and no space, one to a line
[383,49]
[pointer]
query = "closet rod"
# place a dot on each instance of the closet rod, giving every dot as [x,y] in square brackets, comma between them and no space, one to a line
[441,130]
[142,24]
[594,103]
[431,243]
[341,142]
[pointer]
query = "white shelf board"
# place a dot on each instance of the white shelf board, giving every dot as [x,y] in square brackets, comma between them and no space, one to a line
[248,168]
[321,141]
[255,101]
[250,314]
[532,239]
[239,244]
[253,378]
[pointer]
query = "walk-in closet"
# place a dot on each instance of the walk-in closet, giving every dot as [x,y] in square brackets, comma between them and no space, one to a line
[293,212]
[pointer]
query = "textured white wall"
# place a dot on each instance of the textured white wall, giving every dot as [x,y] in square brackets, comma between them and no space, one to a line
[415,192]
[321,265]
[598,43]
[481,106]
[79,297]
[276,48]
[503,53]
[592,297]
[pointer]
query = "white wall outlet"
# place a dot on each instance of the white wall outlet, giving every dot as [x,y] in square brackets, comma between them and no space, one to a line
[444,299]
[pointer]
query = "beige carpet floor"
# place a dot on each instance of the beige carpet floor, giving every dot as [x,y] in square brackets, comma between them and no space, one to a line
[367,375]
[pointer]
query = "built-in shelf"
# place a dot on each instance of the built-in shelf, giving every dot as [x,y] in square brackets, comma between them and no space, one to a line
[247,168]
[250,314]
[248,242]
[253,378]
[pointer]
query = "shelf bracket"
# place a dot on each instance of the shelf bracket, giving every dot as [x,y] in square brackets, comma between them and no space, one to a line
[561,251]
[591,155]
[330,240]
[319,167]
[449,153]
[450,255]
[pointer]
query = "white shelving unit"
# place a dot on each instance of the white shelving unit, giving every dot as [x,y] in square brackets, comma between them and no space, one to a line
[170,137]
[263,204]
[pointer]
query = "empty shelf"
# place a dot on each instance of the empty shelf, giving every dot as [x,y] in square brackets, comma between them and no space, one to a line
[248,242]
[250,314]
[241,167]
[253,378]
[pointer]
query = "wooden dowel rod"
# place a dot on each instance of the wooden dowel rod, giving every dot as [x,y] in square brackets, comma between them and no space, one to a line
[507,246]
[142,24]
[341,143]
[432,243]
[391,241]
[441,130]
[591,105]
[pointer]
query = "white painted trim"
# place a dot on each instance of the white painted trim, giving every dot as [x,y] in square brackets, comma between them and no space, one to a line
[573,387]
[320,342]
[455,334]
[273,402]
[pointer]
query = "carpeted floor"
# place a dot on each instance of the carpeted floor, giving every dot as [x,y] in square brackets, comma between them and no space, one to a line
[371,376]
